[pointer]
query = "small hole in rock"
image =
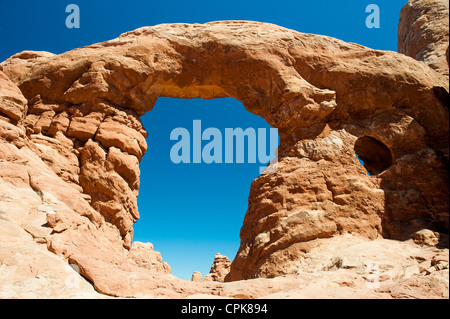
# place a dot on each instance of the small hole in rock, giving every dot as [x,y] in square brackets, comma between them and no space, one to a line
[374,155]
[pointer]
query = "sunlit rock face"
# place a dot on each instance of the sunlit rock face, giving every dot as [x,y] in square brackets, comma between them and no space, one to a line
[70,134]
[423,32]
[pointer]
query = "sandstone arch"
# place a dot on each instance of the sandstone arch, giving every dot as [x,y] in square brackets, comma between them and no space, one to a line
[321,93]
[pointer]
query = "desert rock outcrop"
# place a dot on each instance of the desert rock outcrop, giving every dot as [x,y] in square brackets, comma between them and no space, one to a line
[71,141]
[219,269]
[423,32]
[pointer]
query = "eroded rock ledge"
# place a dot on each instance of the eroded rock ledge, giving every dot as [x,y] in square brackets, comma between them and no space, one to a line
[71,141]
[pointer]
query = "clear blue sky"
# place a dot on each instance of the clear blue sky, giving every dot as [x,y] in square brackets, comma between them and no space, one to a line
[189,212]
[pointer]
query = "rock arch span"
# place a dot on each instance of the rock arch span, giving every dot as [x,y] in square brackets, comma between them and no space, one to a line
[321,93]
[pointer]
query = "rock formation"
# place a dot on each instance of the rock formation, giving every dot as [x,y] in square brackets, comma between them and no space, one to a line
[423,33]
[219,269]
[71,141]
[196,276]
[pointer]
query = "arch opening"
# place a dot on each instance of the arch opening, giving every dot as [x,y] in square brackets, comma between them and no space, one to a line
[375,156]
[191,211]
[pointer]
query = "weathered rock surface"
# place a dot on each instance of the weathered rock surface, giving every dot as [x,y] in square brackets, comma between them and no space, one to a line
[12,102]
[196,276]
[424,32]
[219,269]
[145,256]
[350,267]
[71,141]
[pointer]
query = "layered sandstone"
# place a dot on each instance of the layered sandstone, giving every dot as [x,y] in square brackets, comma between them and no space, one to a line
[423,32]
[71,141]
[219,269]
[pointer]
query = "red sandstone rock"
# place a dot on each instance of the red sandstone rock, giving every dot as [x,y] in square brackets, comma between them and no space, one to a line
[424,32]
[110,193]
[84,128]
[127,166]
[12,102]
[23,62]
[118,135]
[219,269]
[196,276]
[145,256]
[71,141]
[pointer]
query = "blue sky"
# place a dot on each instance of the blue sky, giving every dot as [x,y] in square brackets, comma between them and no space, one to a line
[189,212]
